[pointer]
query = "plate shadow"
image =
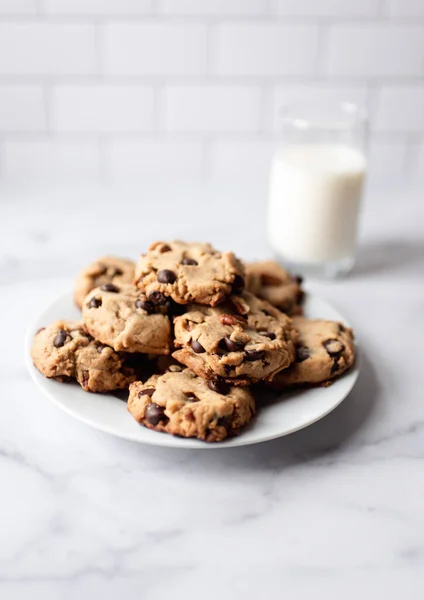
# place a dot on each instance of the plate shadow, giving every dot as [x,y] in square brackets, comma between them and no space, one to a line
[322,442]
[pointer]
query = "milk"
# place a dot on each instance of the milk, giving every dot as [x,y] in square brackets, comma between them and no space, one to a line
[315,192]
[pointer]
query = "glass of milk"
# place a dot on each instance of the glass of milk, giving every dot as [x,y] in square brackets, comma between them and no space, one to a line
[316,185]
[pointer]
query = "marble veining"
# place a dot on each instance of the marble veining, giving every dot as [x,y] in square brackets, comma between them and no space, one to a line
[333,511]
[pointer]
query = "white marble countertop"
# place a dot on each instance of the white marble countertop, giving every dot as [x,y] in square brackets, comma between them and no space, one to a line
[334,511]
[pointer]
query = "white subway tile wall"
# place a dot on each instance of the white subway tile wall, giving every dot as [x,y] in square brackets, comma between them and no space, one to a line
[18,7]
[328,8]
[181,159]
[22,108]
[51,159]
[211,108]
[188,88]
[376,50]
[29,48]
[154,48]
[102,108]
[97,7]
[264,49]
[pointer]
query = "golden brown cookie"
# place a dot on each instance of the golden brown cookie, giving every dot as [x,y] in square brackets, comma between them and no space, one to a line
[271,282]
[109,269]
[242,341]
[324,350]
[64,350]
[181,403]
[123,318]
[188,273]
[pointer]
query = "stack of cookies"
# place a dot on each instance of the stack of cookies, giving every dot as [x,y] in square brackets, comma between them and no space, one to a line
[193,333]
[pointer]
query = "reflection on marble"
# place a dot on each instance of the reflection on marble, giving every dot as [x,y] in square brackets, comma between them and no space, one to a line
[333,511]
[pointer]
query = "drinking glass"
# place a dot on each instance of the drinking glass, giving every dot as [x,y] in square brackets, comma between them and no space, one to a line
[316,185]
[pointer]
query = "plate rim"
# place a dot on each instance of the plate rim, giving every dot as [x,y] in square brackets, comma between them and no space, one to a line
[167,440]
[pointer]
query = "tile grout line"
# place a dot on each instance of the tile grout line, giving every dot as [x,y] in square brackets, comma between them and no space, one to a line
[373,98]
[210,49]
[159,118]
[99,48]
[48,108]
[2,151]
[265,114]
[267,17]
[320,67]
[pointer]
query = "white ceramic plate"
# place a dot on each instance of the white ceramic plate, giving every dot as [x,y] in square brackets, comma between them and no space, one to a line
[278,414]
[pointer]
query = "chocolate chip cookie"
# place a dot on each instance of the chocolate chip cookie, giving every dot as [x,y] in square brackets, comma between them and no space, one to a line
[241,341]
[65,350]
[181,403]
[109,269]
[122,317]
[324,350]
[188,273]
[268,280]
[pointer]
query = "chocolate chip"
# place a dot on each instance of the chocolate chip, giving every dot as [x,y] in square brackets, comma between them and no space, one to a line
[192,397]
[157,298]
[334,347]
[224,422]
[222,345]
[336,365]
[174,309]
[165,248]
[94,303]
[190,416]
[109,287]
[238,285]
[286,306]
[266,313]
[60,339]
[342,328]
[298,279]
[335,350]
[146,392]
[228,369]
[63,379]
[100,348]
[189,261]
[254,354]
[270,335]
[146,305]
[166,276]
[233,346]
[85,334]
[155,413]
[116,272]
[302,353]
[219,386]
[196,347]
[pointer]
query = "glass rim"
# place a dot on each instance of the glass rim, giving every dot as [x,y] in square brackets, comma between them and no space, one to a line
[332,116]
